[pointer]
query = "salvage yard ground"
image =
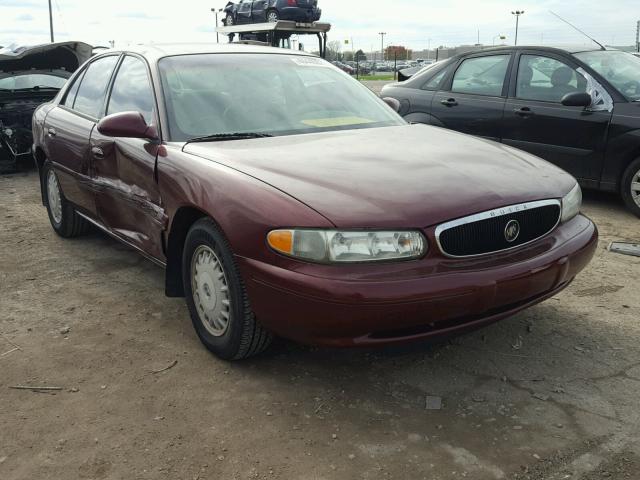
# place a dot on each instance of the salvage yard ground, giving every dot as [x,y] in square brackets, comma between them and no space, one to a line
[551,392]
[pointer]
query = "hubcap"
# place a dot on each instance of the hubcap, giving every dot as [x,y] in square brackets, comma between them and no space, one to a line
[273,17]
[54,197]
[229,21]
[635,188]
[210,291]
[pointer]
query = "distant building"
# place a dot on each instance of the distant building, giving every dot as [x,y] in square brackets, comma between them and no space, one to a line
[397,52]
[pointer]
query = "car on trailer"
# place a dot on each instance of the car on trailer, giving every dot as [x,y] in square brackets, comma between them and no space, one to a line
[258,11]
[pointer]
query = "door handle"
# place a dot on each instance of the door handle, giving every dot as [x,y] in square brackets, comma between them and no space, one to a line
[523,112]
[51,132]
[97,153]
[449,102]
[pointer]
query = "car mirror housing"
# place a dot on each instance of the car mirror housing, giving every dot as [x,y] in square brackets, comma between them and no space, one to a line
[127,125]
[393,103]
[577,99]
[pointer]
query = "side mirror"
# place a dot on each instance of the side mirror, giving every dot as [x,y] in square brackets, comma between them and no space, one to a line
[393,103]
[127,125]
[577,99]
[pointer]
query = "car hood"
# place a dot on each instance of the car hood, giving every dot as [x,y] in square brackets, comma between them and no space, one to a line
[52,56]
[407,176]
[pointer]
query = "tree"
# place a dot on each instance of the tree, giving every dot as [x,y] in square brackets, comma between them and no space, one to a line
[333,50]
[360,56]
[398,52]
[347,56]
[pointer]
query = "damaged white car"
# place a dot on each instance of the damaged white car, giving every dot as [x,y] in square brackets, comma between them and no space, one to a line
[29,77]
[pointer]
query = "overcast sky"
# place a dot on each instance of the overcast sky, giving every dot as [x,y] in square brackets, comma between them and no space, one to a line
[414,23]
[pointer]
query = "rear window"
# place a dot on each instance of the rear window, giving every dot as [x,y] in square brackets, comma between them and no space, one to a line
[29,81]
[91,94]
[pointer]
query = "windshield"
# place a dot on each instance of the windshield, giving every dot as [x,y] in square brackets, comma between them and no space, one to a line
[31,80]
[620,69]
[272,94]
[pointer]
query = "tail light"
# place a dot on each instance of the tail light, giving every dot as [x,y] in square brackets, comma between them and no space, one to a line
[292,3]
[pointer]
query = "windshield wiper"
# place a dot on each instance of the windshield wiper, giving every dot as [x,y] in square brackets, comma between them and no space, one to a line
[221,137]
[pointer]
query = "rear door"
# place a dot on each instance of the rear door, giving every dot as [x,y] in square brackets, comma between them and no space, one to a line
[68,129]
[574,138]
[124,169]
[473,99]
[258,11]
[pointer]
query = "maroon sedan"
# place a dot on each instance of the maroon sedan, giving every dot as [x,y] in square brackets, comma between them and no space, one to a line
[283,197]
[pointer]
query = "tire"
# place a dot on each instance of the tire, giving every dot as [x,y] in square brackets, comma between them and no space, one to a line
[228,21]
[630,187]
[216,296]
[272,16]
[62,214]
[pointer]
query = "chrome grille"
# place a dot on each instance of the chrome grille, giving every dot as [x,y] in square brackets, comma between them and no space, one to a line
[498,230]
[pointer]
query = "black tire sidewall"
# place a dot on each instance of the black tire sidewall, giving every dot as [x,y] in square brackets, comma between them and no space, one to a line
[205,232]
[627,178]
[63,227]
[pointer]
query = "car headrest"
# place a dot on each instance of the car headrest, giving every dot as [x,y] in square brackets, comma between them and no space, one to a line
[561,76]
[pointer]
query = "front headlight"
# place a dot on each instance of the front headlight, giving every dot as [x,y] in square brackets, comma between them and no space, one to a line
[336,246]
[571,204]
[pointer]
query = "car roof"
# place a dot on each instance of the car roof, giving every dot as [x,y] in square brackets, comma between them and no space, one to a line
[156,51]
[572,49]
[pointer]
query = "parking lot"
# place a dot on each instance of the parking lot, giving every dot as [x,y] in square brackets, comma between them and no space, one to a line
[549,394]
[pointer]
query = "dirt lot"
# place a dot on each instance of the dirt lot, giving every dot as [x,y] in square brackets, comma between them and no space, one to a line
[549,394]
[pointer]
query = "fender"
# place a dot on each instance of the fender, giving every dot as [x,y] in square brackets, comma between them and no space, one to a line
[426,118]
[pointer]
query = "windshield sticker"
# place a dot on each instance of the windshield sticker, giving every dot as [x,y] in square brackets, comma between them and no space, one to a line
[336,122]
[310,62]
[602,101]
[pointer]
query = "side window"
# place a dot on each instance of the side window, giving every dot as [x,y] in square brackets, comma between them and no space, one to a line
[71,93]
[132,90]
[546,79]
[434,82]
[481,75]
[93,88]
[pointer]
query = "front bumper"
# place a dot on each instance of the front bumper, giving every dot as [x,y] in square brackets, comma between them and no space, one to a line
[374,304]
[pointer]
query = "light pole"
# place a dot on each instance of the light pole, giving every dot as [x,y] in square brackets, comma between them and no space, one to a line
[51,21]
[382,34]
[517,13]
[214,10]
[429,49]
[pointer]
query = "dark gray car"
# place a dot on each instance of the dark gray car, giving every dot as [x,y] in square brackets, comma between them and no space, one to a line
[578,108]
[260,11]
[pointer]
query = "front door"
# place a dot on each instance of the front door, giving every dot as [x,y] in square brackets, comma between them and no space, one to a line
[474,101]
[574,138]
[127,196]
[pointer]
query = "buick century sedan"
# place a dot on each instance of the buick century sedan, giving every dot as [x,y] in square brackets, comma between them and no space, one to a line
[284,198]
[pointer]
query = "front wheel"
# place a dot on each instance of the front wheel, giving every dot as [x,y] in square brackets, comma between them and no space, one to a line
[216,296]
[272,16]
[228,21]
[630,188]
[62,215]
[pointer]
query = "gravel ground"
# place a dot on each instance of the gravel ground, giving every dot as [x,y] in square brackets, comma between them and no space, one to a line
[549,394]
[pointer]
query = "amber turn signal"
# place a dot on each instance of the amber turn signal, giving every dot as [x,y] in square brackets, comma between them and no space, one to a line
[281,241]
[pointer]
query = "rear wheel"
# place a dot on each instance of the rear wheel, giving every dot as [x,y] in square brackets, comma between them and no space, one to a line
[62,215]
[216,296]
[272,16]
[630,188]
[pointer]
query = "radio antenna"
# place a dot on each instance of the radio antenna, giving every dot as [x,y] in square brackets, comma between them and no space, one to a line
[577,29]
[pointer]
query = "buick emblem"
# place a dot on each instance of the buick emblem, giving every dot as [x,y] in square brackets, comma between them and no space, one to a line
[512,231]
